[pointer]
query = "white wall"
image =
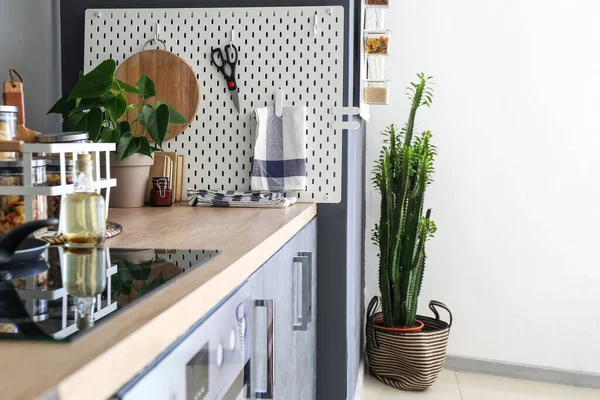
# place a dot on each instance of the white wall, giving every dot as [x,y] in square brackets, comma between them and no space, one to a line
[517,194]
[30,43]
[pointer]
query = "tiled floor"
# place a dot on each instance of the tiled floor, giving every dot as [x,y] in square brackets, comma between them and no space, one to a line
[462,386]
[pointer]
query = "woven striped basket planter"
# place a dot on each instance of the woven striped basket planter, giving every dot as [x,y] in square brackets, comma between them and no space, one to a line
[408,361]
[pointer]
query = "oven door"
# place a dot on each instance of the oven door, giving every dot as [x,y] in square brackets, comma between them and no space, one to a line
[209,362]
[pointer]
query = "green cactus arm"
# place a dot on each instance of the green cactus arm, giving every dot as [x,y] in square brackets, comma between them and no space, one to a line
[415,289]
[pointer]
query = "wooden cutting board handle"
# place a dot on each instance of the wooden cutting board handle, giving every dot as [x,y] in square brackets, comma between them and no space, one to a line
[14,96]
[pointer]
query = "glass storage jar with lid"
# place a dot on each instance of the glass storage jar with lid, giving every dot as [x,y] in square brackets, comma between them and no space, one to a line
[12,207]
[53,179]
[63,137]
[8,127]
[378,42]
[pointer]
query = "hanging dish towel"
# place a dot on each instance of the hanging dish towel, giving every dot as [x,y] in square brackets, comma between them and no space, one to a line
[279,163]
[230,198]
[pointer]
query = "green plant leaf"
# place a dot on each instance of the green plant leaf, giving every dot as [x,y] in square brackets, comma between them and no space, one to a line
[124,273]
[121,86]
[147,109]
[146,87]
[110,135]
[156,282]
[75,120]
[124,127]
[115,283]
[90,122]
[174,116]
[95,83]
[115,105]
[63,106]
[104,131]
[127,146]
[145,268]
[145,148]
[87,104]
[156,122]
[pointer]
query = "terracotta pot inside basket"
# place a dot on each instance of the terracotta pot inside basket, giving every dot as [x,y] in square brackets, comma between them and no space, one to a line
[418,327]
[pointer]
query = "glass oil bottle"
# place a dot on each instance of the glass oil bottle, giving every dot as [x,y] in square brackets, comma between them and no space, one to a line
[83,211]
[84,278]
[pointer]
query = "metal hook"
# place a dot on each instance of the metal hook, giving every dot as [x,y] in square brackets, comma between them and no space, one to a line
[232,35]
[278,102]
[156,38]
[316,26]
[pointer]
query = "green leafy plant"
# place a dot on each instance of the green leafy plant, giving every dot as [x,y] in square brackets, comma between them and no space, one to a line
[402,174]
[97,105]
[132,277]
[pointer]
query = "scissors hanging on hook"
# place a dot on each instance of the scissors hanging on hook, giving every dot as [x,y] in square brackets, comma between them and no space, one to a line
[225,61]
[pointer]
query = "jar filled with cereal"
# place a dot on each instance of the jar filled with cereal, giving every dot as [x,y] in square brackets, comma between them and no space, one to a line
[8,127]
[12,207]
[53,179]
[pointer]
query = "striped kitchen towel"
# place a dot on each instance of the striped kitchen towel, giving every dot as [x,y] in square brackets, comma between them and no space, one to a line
[231,198]
[279,163]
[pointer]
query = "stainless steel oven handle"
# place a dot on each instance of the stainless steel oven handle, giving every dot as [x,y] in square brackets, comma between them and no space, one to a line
[267,393]
[301,318]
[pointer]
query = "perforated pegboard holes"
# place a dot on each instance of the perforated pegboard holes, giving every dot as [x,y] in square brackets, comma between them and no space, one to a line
[278,47]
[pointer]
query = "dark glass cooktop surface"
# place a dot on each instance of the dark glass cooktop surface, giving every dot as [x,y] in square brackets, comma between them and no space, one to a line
[66,292]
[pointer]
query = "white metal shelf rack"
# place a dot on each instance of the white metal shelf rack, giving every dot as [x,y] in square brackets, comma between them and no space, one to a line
[27,190]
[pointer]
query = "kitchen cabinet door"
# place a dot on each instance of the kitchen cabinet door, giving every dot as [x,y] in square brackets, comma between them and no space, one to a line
[278,285]
[305,342]
[293,286]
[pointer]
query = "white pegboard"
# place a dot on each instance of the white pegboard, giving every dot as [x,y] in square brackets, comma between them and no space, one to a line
[278,47]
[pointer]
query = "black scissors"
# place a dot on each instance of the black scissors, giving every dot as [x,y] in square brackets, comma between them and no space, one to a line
[226,65]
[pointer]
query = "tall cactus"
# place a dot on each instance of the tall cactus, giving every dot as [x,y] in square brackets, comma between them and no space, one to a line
[402,173]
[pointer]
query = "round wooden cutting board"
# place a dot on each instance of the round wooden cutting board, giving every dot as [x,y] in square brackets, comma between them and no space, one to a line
[175,82]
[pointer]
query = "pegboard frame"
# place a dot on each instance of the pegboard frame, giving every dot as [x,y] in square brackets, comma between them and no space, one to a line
[305,60]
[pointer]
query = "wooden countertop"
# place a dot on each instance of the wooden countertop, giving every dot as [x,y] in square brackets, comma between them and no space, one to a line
[97,364]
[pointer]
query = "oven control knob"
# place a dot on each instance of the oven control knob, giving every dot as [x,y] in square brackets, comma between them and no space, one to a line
[232,339]
[219,355]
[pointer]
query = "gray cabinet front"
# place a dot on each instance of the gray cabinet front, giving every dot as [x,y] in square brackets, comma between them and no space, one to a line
[290,279]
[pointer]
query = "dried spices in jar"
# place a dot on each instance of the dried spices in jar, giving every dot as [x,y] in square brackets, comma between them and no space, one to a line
[382,3]
[53,179]
[377,92]
[161,195]
[8,127]
[12,207]
[377,42]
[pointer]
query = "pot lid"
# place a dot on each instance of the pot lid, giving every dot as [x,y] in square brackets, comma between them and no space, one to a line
[9,109]
[62,137]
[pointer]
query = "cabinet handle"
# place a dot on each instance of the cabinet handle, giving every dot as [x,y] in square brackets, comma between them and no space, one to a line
[266,393]
[308,254]
[301,297]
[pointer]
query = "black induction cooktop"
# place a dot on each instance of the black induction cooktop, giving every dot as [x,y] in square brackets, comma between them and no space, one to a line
[70,291]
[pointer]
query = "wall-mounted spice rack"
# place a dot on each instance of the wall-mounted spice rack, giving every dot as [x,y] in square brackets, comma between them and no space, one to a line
[376,47]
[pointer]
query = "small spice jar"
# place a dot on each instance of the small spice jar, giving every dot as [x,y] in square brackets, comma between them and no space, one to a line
[377,42]
[63,137]
[161,195]
[53,179]
[377,3]
[8,127]
[12,207]
[377,91]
